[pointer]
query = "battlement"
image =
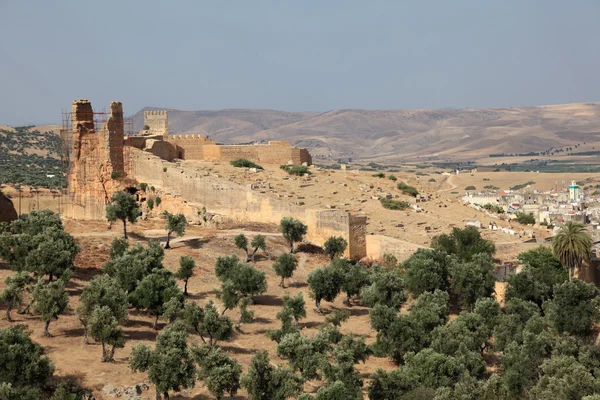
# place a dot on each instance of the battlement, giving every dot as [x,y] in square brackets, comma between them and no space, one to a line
[203,138]
[156,114]
[158,122]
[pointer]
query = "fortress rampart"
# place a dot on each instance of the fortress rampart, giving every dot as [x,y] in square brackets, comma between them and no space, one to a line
[243,204]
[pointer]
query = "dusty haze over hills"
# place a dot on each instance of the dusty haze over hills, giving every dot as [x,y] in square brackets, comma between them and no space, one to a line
[396,135]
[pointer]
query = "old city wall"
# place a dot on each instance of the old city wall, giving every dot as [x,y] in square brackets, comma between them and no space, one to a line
[241,203]
[271,153]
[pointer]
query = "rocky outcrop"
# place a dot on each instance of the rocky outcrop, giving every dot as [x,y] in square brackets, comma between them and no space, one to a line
[7,209]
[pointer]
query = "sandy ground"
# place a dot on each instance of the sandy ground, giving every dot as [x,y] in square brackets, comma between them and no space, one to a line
[73,358]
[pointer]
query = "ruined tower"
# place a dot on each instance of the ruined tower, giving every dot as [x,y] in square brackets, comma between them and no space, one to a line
[96,158]
[158,122]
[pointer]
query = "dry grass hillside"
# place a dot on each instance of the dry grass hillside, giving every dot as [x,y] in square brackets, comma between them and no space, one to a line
[393,135]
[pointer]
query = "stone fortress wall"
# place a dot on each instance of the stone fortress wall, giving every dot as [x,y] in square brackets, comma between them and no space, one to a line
[241,203]
[201,147]
[100,166]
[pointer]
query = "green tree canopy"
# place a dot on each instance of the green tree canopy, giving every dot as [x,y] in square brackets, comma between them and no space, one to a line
[22,362]
[574,308]
[104,328]
[175,223]
[464,243]
[284,266]
[426,271]
[134,264]
[335,246]
[325,284]
[220,373]
[386,287]
[473,279]
[102,291]
[170,364]
[186,271]
[293,230]
[154,291]
[50,301]
[12,295]
[263,381]
[123,207]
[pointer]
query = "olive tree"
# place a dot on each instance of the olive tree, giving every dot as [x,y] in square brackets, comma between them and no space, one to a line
[293,230]
[22,361]
[12,295]
[284,266]
[186,271]
[335,246]
[324,283]
[123,207]
[154,291]
[220,373]
[175,223]
[49,301]
[170,364]
[206,322]
[263,381]
[104,328]
[102,291]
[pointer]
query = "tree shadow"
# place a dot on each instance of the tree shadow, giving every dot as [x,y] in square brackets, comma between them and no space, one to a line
[261,320]
[309,248]
[74,332]
[298,284]
[86,274]
[195,243]
[355,312]
[148,335]
[235,349]
[311,324]
[267,300]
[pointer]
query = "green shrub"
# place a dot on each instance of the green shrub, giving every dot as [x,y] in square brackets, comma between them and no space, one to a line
[525,219]
[165,169]
[244,163]
[431,180]
[379,175]
[116,175]
[392,178]
[295,169]
[493,208]
[453,192]
[152,189]
[157,201]
[150,203]
[470,187]
[393,204]
[143,186]
[407,190]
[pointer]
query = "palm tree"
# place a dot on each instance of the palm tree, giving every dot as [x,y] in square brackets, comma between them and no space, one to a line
[572,245]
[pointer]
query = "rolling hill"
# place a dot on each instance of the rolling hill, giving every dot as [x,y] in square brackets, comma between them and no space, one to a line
[397,135]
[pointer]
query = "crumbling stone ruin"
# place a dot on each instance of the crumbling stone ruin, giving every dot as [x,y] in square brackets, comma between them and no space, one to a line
[96,159]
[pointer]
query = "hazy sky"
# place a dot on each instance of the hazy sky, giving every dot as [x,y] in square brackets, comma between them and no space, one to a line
[295,55]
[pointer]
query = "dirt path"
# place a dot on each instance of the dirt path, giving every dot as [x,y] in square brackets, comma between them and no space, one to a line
[452,185]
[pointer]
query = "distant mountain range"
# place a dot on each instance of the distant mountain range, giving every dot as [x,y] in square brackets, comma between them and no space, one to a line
[397,135]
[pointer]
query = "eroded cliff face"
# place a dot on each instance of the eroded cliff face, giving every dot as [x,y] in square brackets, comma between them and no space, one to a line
[97,166]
